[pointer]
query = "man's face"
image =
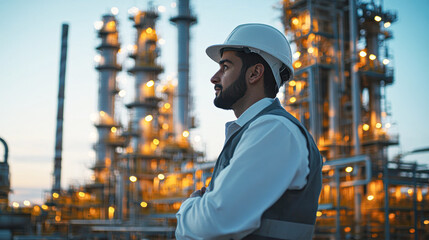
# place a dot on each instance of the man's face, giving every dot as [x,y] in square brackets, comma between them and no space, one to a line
[229,81]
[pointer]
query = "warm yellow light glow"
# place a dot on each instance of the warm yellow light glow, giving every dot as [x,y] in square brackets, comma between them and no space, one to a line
[150,83]
[292,99]
[392,216]
[55,195]
[45,207]
[349,169]
[292,83]
[295,21]
[378,125]
[410,191]
[370,198]
[57,218]
[98,58]
[310,50]
[143,204]
[161,8]
[148,118]
[36,208]
[149,30]
[297,64]
[15,205]
[165,126]
[365,127]
[27,203]
[81,194]
[318,213]
[377,18]
[296,55]
[102,114]
[156,141]
[111,212]
[362,53]
[185,134]
[167,106]
[372,57]
[113,129]
[387,125]
[386,61]
[161,176]
[426,222]
[387,24]
[412,230]
[347,229]
[133,178]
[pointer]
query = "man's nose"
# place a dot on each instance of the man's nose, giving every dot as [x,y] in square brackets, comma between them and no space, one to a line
[215,79]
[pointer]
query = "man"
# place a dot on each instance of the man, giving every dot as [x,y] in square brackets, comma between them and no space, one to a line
[267,179]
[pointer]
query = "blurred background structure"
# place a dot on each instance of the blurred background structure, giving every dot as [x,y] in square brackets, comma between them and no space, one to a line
[147,160]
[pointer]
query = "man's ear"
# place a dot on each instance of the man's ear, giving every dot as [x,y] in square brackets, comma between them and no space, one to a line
[256,73]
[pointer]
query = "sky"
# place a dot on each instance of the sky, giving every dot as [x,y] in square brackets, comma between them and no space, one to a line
[29,65]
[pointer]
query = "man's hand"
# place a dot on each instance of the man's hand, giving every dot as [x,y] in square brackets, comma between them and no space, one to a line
[198,193]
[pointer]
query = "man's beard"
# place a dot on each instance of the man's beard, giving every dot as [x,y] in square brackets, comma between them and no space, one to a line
[227,97]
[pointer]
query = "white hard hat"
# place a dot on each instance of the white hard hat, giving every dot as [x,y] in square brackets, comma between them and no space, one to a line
[262,39]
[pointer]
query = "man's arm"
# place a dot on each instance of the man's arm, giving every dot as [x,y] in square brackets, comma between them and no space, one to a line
[265,162]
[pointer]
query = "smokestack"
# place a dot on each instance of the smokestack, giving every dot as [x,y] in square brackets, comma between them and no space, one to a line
[183,21]
[60,111]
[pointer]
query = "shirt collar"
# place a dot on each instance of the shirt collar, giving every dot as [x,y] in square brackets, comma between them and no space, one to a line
[253,110]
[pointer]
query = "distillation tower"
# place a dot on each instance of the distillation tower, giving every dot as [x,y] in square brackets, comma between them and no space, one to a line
[342,67]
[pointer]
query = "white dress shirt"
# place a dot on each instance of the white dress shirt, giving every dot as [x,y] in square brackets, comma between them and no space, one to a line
[270,157]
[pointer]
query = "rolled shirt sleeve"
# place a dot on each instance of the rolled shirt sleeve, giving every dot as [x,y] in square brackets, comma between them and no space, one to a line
[271,157]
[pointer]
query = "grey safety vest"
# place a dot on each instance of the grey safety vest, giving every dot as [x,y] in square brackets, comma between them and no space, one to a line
[293,215]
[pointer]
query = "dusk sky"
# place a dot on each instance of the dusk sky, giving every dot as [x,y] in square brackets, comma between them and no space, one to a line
[29,64]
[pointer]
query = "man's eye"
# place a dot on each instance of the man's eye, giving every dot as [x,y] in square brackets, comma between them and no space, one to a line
[224,67]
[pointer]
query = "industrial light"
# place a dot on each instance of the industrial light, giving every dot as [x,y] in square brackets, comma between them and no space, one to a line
[362,53]
[372,57]
[36,208]
[410,191]
[318,213]
[295,21]
[149,30]
[412,230]
[27,203]
[365,127]
[387,24]
[150,83]
[310,50]
[148,118]
[155,141]
[297,64]
[161,176]
[15,205]
[98,58]
[292,99]
[55,195]
[57,218]
[185,134]
[81,194]
[114,10]
[45,207]
[161,8]
[102,114]
[111,209]
[133,11]
[349,169]
[165,126]
[292,83]
[167,106]
[370,197]
[98,25]
[377,18]
[133,178]
[391,216]
[347,229]
[386,61]
[143,204]
[113,129]
[378,125]
[161,41]
[122,93]
[297,54]
[426,222]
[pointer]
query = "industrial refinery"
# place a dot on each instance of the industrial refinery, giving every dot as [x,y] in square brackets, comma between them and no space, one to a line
[145,167]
